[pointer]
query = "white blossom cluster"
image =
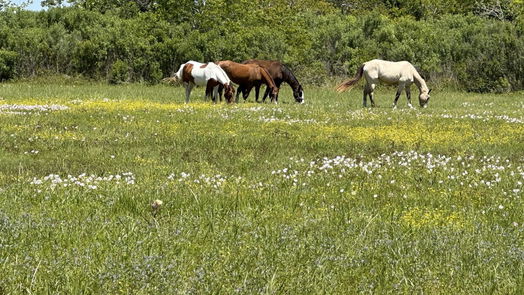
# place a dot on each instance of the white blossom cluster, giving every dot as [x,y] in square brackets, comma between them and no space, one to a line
[213,181]
[91,181]
[460,171]
[286,119]
[485,118]
[186,110]
[23,109]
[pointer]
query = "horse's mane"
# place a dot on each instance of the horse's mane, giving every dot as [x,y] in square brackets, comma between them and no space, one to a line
[225,78]
[267,77]
[421,72]
[289,76]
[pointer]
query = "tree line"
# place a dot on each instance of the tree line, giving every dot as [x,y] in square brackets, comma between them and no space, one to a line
[475,45]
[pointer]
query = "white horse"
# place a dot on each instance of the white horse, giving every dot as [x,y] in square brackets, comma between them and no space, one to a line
[193,74]
[400,73]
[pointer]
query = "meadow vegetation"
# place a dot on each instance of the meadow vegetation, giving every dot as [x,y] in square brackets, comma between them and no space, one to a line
[325,197]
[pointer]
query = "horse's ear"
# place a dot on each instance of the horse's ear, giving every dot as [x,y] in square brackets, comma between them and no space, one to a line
[429,91]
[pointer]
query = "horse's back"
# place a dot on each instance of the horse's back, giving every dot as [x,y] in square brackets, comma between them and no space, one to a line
[274,67]
[239,73]
[227,64]
[262,62]
[385,64]
[198,72]
[388,71]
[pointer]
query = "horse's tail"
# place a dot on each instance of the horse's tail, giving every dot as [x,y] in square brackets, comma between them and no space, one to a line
[348,84]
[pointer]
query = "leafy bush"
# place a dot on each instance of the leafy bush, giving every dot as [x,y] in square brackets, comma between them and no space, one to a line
[7,64]
[119,72]
[147,43]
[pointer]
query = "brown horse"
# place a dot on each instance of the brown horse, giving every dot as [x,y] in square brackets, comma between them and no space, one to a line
[280,73]
[249,76]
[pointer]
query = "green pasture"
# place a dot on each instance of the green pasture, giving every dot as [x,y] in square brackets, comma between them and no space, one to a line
[321,198]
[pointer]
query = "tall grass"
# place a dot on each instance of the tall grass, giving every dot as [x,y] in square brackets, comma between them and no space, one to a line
[325,197]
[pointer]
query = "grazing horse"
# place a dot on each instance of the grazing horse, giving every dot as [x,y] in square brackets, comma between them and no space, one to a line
[249,76]
[210,75]
[280,73]
[400,73]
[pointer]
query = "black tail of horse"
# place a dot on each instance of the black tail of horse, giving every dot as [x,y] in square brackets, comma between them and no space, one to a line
[351,82]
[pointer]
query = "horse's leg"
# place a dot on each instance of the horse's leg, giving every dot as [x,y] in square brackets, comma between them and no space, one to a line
[189,87]
[220,91]
[215,95]
[274,99]
[408,96]
[266,94]
[246,92]
[365,96]
[399,92]
[371,94]
[278,87]
[209,92]
[239,89]
[257,92]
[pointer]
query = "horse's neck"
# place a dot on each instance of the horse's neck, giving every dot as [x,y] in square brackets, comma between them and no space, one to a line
[289,78]
[421,84]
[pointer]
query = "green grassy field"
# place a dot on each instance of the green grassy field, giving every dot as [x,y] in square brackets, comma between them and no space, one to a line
[320,198]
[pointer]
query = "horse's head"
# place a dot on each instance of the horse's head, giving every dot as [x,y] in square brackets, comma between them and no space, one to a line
[229,92]
[171,80]
[423,98]
[298,93]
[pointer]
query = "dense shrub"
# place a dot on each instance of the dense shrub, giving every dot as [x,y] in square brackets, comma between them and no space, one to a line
[7,64]
[119,72]
[137,43]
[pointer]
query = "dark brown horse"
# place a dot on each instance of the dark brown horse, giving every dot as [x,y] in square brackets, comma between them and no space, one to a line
[248,76]
[280,73]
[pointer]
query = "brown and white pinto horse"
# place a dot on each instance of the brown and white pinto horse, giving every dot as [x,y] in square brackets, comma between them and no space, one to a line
[210,75]
[280,73]
[249,76]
